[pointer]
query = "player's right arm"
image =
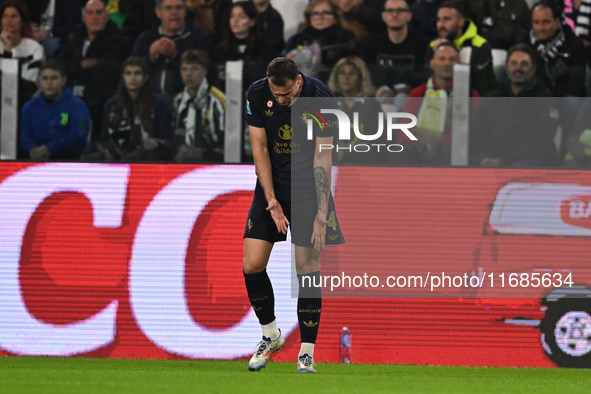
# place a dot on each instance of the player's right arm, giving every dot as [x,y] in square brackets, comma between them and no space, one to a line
[262,163]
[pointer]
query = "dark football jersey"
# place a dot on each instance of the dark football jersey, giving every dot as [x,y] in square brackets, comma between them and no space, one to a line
[291,158]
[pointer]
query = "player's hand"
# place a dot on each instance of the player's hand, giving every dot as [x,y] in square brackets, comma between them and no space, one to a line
[319,232]
[278,217]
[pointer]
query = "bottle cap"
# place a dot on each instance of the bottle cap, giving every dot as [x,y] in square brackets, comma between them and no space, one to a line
[345,329]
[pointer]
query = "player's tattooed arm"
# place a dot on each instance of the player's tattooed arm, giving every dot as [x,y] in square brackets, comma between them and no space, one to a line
[322,188]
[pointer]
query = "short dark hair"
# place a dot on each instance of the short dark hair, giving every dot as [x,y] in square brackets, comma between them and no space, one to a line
[553,5]
[521,47]
[281,70]
[406,1]
[454,5]
[159,3]
[193,56]
[54,64]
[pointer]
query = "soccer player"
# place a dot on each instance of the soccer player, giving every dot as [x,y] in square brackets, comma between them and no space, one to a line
[268,110]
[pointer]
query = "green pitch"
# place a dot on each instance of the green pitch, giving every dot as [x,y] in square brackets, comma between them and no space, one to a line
[24,375]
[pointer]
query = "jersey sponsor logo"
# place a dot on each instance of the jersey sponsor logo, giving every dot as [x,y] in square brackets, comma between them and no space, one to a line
[248,111]
[285,132]
[270,104]
[269,112]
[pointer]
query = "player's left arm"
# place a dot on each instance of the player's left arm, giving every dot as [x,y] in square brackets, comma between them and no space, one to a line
[322,170]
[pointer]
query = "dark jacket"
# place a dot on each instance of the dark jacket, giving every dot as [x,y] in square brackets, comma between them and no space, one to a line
[67,14]
[335,42]
[499,21]
[60,125]
[125,140]
[565,74]
[273,23]
[165,75]
[424,18]
[525,131]
[139,16]
[97,83]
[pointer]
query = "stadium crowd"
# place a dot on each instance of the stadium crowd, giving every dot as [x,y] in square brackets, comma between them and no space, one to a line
[143,80]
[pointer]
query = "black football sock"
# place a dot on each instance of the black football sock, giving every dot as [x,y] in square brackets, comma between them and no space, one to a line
[309,306]
[260,295]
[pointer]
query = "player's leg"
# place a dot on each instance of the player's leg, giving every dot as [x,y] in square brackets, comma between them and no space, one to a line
[309,304]
[260,293]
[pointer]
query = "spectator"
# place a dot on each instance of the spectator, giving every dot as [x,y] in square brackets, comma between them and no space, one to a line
[452,26]
[164,44]
[431,103]
[521,79]
[92,54]
[137,125]
[350,79]
[560,54]
[363,17]
[51,21]
[16,42]
[524,135]
[500,22]
[397,54]
[55,124]
[209,15]
[323,26]
[582,19]
[273,24]
[424,18]
[244,39]
[200,111]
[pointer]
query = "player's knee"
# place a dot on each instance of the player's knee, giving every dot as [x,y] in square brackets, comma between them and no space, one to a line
[250,266]
[307,267]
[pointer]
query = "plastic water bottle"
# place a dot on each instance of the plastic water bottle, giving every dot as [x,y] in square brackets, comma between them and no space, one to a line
[345,349]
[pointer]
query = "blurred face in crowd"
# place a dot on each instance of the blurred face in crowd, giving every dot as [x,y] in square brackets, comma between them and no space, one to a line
[520,68]
[261,5]
[349,79]
[396,14]
[52,84]
[193,74]
[11,21]
[284,94]
[449,23]
[95,16]
[172,15]
[544,24]
[443,62]
[240,23]
[134,78]
[322,16]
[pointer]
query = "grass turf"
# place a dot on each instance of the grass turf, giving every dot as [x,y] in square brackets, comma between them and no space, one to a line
[83,375]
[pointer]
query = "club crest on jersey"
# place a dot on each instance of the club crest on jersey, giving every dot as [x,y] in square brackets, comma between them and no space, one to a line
[285,132]
[270,104]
